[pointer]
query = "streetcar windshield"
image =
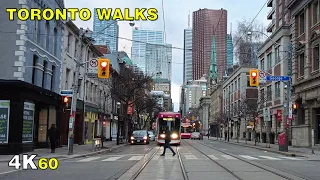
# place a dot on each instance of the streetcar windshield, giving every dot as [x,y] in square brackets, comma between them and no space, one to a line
[172,123]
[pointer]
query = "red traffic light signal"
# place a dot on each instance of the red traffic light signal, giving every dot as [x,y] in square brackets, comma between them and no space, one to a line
[254,81]
[65,99]
[295,106]
[103,68]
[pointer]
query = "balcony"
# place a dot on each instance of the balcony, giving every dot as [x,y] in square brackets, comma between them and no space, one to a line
[270,26]
[272,10]
[269,4]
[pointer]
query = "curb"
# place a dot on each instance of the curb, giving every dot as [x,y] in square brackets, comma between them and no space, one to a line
[290,154]
[64,157]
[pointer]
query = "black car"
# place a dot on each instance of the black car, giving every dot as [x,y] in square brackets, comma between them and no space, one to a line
[139,137]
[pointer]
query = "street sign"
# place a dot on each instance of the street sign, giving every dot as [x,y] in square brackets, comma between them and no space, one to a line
[67,93]
[277,78]
[266,113]
[93,66]
[262,76]
[290,111]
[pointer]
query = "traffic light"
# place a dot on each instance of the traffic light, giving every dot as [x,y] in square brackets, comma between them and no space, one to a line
[66,102]
[254,80]
[295,108]
[103,68]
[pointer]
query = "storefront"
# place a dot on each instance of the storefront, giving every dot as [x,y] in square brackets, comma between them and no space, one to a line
[90,124]
[26,114]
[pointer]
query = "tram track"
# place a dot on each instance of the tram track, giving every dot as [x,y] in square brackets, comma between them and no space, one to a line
[231,172]
[183,170]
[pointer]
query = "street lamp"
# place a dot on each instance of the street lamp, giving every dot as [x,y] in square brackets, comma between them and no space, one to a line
[118,128]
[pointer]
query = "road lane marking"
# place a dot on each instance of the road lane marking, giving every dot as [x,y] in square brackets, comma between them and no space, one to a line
[291,158]
[249,157]
[170,157]
[270,158]
[112,158]
[89,159]
[135,158]
[229,157]
[190,157]
[213,157]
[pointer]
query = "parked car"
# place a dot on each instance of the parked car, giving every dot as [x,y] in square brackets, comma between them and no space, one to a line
[139,137]
[196,135]
[152,136]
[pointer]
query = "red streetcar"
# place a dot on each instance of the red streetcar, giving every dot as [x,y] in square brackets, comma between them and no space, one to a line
[173,121]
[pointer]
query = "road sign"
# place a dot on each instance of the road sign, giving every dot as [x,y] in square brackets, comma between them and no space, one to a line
[262,76]
[277,78]
[67,93]
[290,111]
[93,66]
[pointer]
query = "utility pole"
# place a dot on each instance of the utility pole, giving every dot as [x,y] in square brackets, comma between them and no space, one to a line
[75,95]
[229,114]
[289,86]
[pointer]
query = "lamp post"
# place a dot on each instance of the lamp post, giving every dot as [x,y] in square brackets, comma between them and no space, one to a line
[118,124]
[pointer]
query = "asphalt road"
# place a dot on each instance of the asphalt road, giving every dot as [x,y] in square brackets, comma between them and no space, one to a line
[85,168]
[299,166]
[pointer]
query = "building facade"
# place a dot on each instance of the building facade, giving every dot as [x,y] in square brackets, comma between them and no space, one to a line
[159,59]
[206,24]
[229,51]
[140,39]
[305,30]
[105,32]
[204,113]
[215,112]
[187,55]
[31,60]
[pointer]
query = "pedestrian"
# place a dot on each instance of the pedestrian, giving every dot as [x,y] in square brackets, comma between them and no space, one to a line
[208,134]
[225,135]
[167,142]
[53,135]
[231,134]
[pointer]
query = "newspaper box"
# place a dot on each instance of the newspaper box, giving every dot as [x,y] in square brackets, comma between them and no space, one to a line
[282,142]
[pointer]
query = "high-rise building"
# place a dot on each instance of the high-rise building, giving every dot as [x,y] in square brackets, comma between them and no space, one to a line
[159,58]
[187,55]
[206,23]
[229,51]
[139,45]
[105,33]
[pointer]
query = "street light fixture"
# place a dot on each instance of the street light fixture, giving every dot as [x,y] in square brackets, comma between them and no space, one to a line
[118,128]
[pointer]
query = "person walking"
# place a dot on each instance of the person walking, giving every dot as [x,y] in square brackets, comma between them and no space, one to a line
[53,135]
[167,142]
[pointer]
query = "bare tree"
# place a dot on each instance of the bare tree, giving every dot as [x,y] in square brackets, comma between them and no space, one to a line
[146,101]
[128,87]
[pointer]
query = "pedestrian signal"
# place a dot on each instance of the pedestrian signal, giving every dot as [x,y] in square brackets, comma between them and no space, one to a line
[103,68]
[254,80]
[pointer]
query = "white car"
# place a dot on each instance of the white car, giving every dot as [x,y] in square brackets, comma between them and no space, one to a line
[151,136]
[196,135]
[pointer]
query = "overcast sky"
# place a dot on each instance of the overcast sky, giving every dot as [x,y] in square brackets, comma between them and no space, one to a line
[176,19]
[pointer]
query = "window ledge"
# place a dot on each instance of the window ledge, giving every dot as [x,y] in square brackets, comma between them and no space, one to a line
[314,72]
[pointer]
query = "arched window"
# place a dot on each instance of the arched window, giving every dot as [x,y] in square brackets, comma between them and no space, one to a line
[35,61]
[55,41]
[47,35]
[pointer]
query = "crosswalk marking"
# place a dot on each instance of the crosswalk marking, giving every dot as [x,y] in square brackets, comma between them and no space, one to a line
[135,158]
[213,157]
[291,158]
[229,157]
[156,157]
[112,158]
[248,157]
[88,159]
[190,157]
[270,158]
[170,157]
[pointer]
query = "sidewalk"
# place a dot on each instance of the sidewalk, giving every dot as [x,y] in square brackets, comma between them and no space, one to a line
[293,151]
[62,153]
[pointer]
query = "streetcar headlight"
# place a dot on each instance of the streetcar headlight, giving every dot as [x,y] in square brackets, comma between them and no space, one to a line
[162,135]
[174,136]
[132,138]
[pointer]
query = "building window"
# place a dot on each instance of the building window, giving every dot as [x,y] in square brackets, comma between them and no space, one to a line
[34,65]
[239,83]
[76,48]
[69,42]
[316,59]
[269,93]
[301,64]
[36,27]
[269,61]
[47,35]
[301,23]
[53,78]
[262,99]
[55,43]
[262,64]
[45,64]
[277,89]
[277,49]
[315,12]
